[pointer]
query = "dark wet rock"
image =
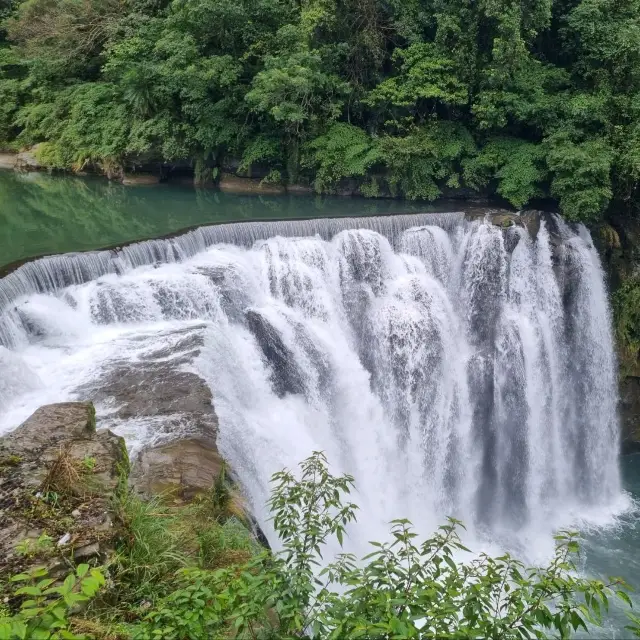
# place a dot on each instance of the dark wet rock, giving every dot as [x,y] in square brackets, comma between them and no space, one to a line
[58,476]
[630,413]
[286,377]
[618,242]
[233,296]
[157,389]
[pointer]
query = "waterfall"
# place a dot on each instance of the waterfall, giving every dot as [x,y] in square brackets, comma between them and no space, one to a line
[453,367]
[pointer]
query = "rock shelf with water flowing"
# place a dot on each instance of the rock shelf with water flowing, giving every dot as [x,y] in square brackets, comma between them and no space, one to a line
[453,367]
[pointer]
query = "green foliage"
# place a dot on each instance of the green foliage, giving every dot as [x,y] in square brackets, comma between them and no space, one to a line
[581,176]
[634,627]
[261,149]
[160,539]
[89,463]
[30,547]
[46,604]
[517,166]
[188,612]
[295,91]
[428,156]
[405,588]
[12,460]
[527,100]
[426,74]
[153,547]
[65,30]
[224,544]
[626,312]
[344,151]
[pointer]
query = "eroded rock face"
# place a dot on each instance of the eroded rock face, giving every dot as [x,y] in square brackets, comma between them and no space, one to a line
[57,479]
[235,184]
[159,394]
[630,413]
[182,468]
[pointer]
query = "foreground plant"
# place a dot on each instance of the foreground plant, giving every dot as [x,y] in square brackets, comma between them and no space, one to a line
[46,607]
[402,589]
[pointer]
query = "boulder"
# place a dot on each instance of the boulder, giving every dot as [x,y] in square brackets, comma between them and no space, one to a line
[58,476]
[181,468]
[181,457]
[69,427]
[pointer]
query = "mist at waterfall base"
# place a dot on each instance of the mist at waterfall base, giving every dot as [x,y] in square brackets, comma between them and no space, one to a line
[452,367]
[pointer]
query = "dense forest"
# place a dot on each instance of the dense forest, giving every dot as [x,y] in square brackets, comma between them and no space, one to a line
[526,99]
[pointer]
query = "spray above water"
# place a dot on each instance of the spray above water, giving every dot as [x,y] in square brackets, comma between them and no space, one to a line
[453,367]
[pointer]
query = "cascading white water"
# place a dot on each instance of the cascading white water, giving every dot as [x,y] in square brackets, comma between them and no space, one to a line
[454,368]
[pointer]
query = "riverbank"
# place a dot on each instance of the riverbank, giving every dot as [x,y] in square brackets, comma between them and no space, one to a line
[229,177]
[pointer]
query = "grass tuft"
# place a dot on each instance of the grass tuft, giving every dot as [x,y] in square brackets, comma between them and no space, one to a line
[64,475]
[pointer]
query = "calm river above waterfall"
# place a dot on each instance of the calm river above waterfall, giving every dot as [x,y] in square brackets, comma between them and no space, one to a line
[452,366]
[42,214]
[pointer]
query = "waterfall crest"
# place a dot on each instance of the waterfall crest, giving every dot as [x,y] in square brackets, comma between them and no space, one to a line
[453,367]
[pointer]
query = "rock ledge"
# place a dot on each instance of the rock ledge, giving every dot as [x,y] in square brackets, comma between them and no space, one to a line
[57,479]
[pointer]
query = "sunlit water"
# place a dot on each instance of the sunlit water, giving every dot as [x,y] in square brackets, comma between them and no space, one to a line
[453,368]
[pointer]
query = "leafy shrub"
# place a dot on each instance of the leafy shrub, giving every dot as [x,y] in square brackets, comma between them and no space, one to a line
[626,311]
[517,166]
[403,589]
[188,612]
[581,176]
[344,151]
[46,605]
[427,158]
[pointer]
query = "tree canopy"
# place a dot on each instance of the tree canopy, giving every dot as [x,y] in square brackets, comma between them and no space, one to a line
[529,99]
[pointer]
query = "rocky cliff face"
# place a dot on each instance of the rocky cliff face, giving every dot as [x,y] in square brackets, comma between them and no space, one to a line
[59,475]
[630,413]
[174,405]
[619,246]
[57,478]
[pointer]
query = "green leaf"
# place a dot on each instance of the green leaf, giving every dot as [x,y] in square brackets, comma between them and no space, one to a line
[29,591]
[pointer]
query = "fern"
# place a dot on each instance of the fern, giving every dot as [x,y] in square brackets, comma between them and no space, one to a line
[517,165]
[344,151]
